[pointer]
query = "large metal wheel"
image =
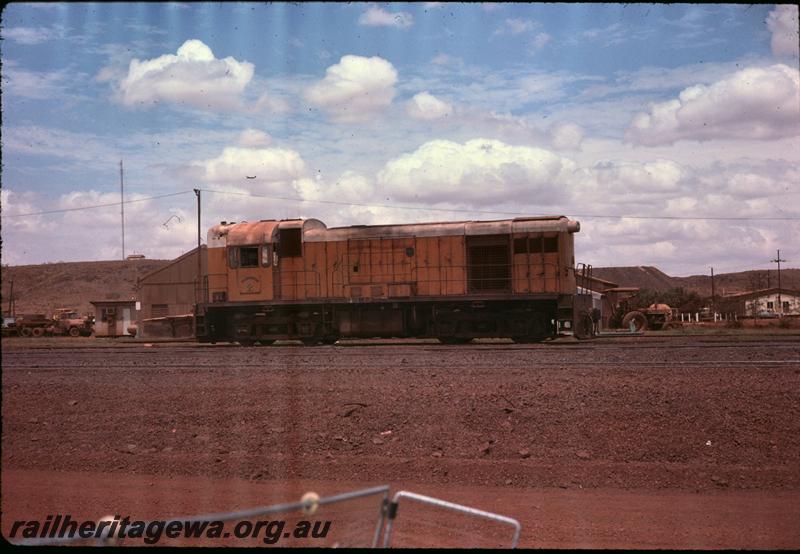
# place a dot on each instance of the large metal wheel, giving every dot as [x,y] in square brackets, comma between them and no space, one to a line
[37,332]
[25,332]
[638,318]
[74,332]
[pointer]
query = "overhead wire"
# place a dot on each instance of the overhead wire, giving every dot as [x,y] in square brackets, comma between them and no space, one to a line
[463,210]
[405,207]
[106,205]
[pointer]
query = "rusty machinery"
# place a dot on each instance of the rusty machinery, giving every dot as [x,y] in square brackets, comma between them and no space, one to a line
[455,281]
[65,321]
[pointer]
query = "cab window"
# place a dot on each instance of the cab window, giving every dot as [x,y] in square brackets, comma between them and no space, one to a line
[248,256]
[266,255]
[535,245]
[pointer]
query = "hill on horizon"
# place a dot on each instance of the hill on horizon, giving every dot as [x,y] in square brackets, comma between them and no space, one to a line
[43,288]
[644,277]
[652,278]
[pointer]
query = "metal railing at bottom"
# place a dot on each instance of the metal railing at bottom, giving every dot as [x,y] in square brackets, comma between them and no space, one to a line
[310,504]
[450,506]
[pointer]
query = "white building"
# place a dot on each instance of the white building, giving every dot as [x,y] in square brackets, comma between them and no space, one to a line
[765,303]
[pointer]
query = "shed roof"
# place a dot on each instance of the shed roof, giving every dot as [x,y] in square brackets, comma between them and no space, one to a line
[761,292]
[173,262]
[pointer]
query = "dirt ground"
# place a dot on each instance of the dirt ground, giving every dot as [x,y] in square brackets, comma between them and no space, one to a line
[673,442]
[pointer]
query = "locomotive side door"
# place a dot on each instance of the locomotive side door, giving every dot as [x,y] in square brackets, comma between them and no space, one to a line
[488,263]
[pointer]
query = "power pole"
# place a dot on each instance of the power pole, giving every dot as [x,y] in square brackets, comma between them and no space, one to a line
[11,300]
[713,295]
[778,261]
[122,208]
[199,259]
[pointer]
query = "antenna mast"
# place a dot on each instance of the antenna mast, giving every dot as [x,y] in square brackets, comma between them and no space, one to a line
[122,208]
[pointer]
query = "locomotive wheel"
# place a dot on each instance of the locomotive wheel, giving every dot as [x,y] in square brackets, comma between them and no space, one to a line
[329,340]
[74,332]
[539,330]
[265,342]
[25,332]
[37,331]
[246,342]
[638,318]
[310,341]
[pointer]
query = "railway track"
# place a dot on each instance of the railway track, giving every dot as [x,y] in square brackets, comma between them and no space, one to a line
[477,356]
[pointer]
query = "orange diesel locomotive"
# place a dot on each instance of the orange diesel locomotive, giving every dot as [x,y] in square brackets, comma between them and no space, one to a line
[455,281]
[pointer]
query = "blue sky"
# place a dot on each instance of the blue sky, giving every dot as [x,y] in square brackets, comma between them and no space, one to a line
[647,110]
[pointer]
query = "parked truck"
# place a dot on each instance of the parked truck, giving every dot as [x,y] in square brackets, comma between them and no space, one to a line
[67,321]
[32,325]
[64,322]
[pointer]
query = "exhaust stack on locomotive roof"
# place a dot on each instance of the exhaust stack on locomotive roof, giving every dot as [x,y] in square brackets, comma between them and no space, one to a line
[299,279]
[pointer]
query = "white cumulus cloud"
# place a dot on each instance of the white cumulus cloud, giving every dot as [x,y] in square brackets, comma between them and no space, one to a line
[193,76]
[633,178]
[355,89]
[14,206]
[235,164]
[783,24]
[754,103]
[349,187]
[427,107]
[566,136]
[377,17]
[480,171]
[107,216]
